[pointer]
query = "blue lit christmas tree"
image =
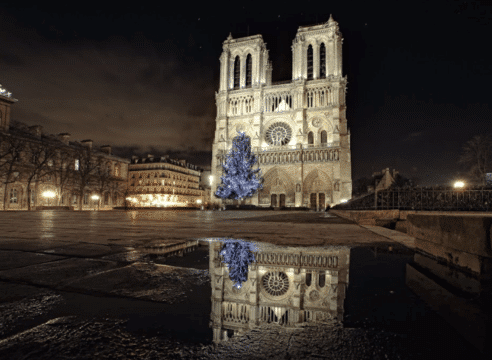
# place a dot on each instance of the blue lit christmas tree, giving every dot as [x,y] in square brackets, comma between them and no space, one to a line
[239,180]
[238,255]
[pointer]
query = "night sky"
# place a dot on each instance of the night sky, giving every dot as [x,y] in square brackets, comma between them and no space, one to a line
[142,77]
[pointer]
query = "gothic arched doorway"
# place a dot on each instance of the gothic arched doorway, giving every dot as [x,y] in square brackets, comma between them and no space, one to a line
[321,201]
[313,201]
[282,200]
[274,200]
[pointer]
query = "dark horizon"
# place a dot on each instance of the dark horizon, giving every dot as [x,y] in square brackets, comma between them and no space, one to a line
[143,78]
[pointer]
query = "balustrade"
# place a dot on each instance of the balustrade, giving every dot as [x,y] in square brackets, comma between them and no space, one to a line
[235,313]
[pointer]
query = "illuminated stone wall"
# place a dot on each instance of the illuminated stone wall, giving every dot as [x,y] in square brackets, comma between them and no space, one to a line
[285,285]
[162,183]
[312,157]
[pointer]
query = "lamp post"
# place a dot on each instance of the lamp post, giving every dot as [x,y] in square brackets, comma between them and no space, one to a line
[49,195]
[96,198]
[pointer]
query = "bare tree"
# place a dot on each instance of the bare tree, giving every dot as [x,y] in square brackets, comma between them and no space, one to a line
[84,170]
[119,187]
[476,157]
[102,176]
[10,161]
[64,170]
[40,157]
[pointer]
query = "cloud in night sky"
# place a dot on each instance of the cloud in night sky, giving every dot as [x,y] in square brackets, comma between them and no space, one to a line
[125,93]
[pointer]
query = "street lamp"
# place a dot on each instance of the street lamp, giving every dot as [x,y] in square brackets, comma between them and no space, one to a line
[49,195]
[96,198]
[459,184]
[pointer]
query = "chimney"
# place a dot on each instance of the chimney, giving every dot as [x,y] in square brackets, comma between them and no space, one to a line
[134,157]
[63,137]
[106,149]
[183,162]
[87,143]
[36,130]
[150,156]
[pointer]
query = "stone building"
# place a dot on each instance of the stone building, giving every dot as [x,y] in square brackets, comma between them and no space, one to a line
[297,129]
[162,181]
[47,191]
[383,180]
[285,285]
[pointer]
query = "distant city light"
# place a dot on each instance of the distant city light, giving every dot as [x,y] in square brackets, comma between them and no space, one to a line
[459,184]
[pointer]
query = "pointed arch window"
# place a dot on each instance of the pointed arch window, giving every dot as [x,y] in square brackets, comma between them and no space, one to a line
[310,62]
[322,61]
[310,138]
[237,72]
[249,68]
[323,137]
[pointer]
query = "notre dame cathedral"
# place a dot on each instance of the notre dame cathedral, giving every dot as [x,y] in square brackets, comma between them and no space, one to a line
[297,129]
[285,286]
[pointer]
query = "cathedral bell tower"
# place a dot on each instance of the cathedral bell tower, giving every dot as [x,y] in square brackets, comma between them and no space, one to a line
[317,52]
[244,63]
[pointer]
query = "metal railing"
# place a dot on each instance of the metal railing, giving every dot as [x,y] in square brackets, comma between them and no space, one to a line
[426,199]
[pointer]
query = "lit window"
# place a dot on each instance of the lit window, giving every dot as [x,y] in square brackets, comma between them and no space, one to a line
[77,162]
[13,196]
[86,199]
[50,162]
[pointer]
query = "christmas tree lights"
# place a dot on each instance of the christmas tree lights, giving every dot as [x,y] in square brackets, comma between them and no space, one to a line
[239,180]
[238,255]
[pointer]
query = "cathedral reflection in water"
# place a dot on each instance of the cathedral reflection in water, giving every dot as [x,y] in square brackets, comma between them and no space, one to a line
[286,285]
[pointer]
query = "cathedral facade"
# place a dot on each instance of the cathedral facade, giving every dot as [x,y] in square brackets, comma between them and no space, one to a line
[297,129]
[285,286]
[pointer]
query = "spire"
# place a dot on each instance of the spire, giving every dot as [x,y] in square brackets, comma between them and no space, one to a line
[332,22]
[229,37]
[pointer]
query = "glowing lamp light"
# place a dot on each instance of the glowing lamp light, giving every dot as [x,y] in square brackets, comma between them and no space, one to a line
[199,201]
[343,200]
[95,197]
[211,178]
[49,194]
[459,184]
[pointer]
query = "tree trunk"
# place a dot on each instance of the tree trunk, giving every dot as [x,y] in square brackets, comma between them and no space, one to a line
[28,196]
[5,196]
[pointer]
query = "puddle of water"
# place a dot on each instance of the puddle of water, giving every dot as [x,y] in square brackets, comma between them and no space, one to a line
[387,287]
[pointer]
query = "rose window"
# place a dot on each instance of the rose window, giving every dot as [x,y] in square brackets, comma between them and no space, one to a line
[276,283]
[279,134]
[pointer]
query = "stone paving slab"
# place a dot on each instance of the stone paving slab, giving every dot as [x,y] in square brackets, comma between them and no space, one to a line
[137,228]
[154,282]
[394,235]
[56,273]
[11,292]
[30,244]
[84,250]
[16,259]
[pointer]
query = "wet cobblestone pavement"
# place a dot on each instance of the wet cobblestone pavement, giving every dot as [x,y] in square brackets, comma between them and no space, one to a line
[97,288]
